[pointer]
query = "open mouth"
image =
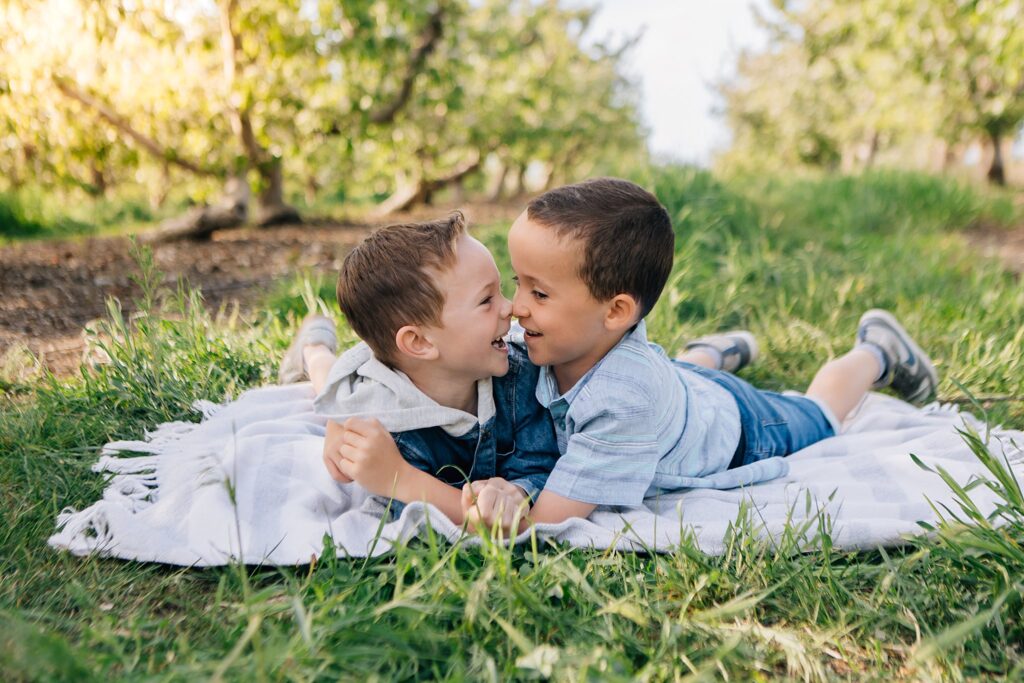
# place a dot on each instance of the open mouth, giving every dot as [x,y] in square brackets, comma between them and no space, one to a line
[499,344]
[532,335]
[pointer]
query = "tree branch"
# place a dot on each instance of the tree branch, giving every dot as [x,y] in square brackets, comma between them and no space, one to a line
[240,121]
[413,193]
[459,172]
[71,90]
[428,41]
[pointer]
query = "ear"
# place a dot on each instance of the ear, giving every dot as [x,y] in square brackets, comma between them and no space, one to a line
[621,313]
[413,343]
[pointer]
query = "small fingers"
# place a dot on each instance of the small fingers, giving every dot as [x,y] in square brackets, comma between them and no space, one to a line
[347,468]
[350,452]
[332,469]
[352,438]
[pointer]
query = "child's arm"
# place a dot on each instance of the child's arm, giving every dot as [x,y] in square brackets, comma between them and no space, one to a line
[552,508]
[367,454]
[484,503]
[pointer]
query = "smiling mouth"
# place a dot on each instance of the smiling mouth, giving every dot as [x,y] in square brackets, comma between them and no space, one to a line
[532,335]
[499,344]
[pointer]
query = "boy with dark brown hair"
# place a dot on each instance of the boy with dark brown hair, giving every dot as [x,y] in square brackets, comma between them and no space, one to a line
[590,261]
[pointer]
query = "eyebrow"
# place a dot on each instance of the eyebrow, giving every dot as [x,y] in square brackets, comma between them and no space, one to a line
[537,281]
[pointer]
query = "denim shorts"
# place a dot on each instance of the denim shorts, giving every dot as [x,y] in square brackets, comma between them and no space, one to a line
[772,424]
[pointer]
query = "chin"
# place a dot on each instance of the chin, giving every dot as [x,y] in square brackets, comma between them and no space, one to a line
[536,357]
[500,370]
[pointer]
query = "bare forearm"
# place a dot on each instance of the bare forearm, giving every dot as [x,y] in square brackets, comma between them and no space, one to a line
[418,486]
[553,509]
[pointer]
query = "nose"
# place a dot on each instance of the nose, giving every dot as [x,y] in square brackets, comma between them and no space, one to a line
[519,308]
[505,308]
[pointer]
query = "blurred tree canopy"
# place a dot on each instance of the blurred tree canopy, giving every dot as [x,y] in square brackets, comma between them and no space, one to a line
[843,81]
[384,99]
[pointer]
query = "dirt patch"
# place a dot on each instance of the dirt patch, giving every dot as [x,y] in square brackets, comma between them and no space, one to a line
[1005,244]
[50,290]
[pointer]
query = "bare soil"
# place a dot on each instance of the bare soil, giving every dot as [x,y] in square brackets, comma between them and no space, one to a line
[998,242]
[49,290]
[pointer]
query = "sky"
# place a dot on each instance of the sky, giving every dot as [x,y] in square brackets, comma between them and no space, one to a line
[686,46]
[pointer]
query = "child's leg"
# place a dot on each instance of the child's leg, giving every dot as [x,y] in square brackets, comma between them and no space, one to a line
[885,355]
[318,359]
[702,357]
[841,383]
[316,330]
[727,351]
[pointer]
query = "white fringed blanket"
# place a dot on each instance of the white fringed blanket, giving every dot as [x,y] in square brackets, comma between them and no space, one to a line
[248,483]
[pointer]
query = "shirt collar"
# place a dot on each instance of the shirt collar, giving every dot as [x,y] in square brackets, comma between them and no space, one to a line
[547,385]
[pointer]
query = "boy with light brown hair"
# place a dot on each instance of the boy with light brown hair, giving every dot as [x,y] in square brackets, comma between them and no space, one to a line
[433,397]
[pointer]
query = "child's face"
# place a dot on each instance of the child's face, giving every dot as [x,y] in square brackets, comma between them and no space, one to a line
[565,325]
[475,317]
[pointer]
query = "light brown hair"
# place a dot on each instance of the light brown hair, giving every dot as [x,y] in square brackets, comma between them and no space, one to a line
[387,281]
[626,235]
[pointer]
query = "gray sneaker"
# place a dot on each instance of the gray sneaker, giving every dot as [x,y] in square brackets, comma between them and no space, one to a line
[315,329]
[738,348]
[910,371]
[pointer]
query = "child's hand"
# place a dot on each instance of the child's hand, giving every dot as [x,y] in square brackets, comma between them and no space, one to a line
[332,451]
[368,454]
[495,500]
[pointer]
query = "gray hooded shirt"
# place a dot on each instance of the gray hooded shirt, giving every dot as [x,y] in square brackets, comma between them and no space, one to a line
[512,437]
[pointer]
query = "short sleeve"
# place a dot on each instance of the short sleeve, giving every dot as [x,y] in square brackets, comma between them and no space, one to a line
[611,457]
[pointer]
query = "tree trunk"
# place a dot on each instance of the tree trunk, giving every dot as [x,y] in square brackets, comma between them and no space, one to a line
[98,180]
[312,188]
[459,191]
[201,221]
[950,157]
[271,208]
[158,193]
[873,148]
[517,181]
[549,177]
[497,184]
[996,172]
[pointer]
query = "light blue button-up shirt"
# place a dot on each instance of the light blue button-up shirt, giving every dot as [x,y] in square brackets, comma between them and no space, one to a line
[636,425]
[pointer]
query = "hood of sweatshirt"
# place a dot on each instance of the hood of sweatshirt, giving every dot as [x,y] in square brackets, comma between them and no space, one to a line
[359,385]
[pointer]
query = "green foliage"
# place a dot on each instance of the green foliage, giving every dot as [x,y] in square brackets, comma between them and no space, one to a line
[849,84]
[355,100]
[774,254]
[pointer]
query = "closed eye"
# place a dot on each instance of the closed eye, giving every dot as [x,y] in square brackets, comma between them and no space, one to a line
[487,300]
[539,295]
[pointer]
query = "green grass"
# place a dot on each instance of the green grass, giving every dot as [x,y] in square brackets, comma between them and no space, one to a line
[33,213]
[796,260]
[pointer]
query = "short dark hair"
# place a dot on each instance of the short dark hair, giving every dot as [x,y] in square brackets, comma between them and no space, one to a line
[626,234]
[387,281]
